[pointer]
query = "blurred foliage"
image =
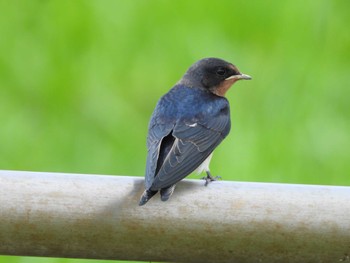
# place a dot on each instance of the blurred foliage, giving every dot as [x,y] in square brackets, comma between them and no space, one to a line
[79,81]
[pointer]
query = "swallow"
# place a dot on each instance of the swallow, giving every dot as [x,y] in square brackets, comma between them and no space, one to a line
[188,123]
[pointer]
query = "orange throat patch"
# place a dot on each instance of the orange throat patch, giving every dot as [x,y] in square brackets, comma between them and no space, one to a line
[223,87]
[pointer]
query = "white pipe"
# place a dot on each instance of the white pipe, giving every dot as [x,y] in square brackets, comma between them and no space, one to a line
[96,216]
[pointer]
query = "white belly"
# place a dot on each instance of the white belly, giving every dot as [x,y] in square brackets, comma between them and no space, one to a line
[205,165]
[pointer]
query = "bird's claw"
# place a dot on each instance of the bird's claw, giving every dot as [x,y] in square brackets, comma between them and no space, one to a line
[209,178]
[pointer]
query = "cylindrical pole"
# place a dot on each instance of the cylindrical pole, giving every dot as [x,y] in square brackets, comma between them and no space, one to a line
[96,216]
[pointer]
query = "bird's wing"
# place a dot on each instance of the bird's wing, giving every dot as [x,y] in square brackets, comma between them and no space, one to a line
[156,132]
[193,143]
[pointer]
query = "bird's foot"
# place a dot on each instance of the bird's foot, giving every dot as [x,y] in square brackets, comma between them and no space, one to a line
[209,178]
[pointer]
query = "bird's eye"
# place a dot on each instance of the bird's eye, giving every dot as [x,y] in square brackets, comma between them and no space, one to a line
[221,71]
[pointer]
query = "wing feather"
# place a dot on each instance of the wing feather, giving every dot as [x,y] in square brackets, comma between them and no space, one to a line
[157,132]
[193,144]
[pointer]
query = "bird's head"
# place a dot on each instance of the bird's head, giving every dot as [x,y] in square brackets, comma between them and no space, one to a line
[213,74]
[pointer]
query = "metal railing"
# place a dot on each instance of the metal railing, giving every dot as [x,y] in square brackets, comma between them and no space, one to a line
[96,216]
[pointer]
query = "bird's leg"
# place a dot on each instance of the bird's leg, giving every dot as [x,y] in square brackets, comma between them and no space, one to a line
[209,178]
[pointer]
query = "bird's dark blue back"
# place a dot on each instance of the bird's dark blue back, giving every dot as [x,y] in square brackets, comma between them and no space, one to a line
[186,126]
[184,103]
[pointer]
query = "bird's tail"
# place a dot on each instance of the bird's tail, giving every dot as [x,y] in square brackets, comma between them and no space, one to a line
[165,193]
[146,196]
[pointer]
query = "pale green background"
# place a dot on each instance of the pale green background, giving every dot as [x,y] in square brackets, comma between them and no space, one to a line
[79,81]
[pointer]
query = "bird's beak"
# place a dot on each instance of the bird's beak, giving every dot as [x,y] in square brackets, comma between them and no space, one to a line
[237,77]
[244,76]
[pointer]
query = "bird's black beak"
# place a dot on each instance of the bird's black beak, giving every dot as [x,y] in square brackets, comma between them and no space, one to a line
[238,77]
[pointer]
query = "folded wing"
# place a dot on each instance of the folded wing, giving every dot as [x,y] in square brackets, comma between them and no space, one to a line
[193,143]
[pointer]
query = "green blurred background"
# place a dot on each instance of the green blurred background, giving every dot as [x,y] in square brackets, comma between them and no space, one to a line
[79,81]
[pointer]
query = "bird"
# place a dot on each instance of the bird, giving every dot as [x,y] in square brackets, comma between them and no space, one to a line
[187,124]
